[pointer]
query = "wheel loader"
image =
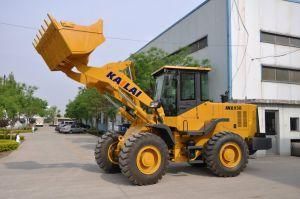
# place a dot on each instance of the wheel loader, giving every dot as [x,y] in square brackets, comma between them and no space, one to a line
[179,125]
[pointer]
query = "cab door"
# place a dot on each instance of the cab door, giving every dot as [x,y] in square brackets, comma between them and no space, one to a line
[189,90]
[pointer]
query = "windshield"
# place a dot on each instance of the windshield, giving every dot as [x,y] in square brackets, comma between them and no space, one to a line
[166,93]
[159,84]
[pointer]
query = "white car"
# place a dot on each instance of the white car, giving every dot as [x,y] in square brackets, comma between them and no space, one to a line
[63,123]
[73,128]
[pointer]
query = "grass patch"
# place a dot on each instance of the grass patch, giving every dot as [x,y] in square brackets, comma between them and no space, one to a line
[7,137]
[3,131]
[8,145]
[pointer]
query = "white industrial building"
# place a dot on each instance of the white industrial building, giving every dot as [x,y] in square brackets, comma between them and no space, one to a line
[254,50]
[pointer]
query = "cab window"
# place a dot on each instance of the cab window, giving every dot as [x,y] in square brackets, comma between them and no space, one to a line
[187,86]
[204,87]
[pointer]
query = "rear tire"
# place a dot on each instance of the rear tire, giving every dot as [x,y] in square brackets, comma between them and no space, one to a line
[144,158]
[104,153]
[226,154]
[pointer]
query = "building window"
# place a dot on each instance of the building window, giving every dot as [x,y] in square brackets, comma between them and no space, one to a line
[283,75]
[278,39]
[267,37]
[294,124]
[268,73]
[293,1]
[187,86]
[198,45]
[193,47]
[270,122]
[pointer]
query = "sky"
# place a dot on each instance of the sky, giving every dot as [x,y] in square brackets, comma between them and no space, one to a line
[128,20]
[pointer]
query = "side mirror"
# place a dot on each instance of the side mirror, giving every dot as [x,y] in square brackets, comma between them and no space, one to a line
[155,104]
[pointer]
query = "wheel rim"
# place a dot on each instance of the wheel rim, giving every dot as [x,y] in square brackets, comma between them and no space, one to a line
[230,154]
[148,160]
[111,153]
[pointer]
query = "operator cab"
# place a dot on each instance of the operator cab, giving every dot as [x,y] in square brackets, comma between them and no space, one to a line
[180,88]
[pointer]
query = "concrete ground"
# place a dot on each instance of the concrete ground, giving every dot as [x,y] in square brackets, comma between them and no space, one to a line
[52,165]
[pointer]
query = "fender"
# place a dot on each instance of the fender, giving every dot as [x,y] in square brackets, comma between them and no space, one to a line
[165,133]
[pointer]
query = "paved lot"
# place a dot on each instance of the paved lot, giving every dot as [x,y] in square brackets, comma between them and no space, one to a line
[51,165]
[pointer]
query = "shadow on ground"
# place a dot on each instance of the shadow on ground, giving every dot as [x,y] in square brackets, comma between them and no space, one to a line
[32,165]
[255,168]
[183,169]
[177,170]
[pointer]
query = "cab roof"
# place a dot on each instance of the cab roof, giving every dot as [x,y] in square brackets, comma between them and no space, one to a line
[188,68]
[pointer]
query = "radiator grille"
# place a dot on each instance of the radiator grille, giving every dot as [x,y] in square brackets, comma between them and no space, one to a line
[239,118]
[242,119]
[245,119]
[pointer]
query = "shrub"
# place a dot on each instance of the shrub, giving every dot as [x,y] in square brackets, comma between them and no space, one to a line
[8,145]
[94,132]
[22,131]
[3,122]
[15,131]
[7,137]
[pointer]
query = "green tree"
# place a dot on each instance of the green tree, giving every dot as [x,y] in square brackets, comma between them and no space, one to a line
[111,114]
[17,98]
[11,95]
[78,108]
[147,62]
[51,113]
[88,104]
[97,103]
[2,112]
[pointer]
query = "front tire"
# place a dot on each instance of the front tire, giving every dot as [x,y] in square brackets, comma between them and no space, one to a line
[144,158]
[226,154]
[104,153]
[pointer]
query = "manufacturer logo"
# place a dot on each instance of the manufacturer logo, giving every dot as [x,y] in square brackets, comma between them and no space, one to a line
[233,108]
[126,85]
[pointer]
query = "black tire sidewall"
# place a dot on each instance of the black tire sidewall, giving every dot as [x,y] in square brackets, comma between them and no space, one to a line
[226,139]
[103,159]
[104,150]
[147,140]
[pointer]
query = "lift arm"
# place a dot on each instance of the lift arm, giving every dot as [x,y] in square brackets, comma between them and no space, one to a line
[66,47]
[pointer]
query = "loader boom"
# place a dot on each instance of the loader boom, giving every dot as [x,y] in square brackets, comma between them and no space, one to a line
[66,46]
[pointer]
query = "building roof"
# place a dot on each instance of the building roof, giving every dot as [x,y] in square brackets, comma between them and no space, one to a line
[181,19]
[181,68]
[268,101]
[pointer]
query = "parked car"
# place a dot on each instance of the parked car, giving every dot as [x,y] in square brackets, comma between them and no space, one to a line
[58,120]
[73,128]
[63,123]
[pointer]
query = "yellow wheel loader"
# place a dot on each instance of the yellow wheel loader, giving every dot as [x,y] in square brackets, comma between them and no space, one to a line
[178,125]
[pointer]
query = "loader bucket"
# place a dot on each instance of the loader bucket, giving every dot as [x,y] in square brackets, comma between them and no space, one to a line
[63,44]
